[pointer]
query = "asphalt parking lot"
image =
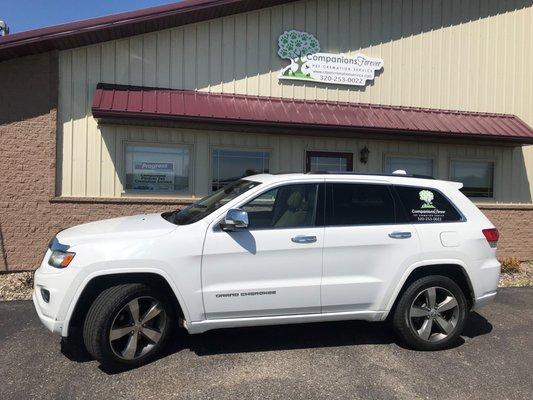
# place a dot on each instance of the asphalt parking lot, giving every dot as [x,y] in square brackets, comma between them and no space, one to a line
[344,360]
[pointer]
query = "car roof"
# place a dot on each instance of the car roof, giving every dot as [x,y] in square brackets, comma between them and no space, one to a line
[411,180]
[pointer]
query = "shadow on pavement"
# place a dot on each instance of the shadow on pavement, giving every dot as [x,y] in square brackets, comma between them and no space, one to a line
[288,337]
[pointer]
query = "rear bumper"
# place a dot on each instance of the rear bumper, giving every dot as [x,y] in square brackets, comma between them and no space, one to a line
[484,300]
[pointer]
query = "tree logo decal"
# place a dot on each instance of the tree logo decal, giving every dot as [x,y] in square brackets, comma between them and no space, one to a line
[296,46]
[427,197]
[309,64]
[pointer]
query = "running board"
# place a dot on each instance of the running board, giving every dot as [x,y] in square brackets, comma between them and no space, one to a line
[208,324]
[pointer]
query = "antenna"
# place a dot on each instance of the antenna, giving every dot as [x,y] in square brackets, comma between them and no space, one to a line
[4,29]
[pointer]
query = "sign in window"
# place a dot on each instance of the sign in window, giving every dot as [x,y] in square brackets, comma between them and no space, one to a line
[157,169]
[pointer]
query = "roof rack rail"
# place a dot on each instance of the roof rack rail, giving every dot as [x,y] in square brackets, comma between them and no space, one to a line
[369,174]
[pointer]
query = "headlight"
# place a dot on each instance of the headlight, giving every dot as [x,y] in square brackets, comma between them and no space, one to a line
[60,259]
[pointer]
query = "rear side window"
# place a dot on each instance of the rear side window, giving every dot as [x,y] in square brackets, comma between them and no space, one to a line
[359,204]
[426,205]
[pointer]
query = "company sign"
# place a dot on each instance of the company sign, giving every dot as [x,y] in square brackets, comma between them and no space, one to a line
[309,64]
[153,176]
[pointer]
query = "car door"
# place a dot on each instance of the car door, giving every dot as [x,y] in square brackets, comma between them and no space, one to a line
[273,267]
[365,248]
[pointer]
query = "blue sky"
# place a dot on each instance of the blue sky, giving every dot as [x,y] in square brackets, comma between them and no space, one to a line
[23,15]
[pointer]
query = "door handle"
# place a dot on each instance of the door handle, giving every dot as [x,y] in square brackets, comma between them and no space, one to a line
[400,235]
[304,239]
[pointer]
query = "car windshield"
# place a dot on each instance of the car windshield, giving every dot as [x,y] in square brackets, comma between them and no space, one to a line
[205,206]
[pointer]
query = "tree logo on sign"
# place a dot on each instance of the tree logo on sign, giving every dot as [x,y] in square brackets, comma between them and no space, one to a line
[296,46]
[427,197]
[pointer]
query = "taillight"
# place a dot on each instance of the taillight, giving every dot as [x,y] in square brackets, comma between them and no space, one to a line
[492,235]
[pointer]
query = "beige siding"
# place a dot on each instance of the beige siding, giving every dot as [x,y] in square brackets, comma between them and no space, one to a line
[467,55]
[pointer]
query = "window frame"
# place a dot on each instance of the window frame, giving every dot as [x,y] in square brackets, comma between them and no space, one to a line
[317,153]
[415,156]
[124,192]
[397,207]
[479,160]
[212,149]
[321,186]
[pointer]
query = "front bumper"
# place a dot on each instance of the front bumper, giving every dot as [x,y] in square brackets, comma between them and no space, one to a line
[50,323]
[57,282]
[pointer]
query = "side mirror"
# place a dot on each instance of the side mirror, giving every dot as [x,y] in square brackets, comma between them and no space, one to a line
[236,219]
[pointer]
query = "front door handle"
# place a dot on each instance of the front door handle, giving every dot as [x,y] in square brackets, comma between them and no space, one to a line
[304,239]
[400,235]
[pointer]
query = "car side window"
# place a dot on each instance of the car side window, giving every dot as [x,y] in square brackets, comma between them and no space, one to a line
[426,205]
[289,206]
[359,204]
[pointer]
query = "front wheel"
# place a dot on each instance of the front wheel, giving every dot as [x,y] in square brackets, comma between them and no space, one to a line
[127,325]
[431,313]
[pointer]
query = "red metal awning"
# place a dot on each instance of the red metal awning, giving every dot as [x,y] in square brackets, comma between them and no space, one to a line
[116,101]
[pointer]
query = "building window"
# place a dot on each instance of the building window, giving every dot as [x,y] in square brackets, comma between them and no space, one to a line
[477,177]
[157,169]
[232,165]
[412,165]
[328,161]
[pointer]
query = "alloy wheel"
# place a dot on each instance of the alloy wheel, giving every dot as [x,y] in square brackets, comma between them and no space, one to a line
[137,328]
[434,314]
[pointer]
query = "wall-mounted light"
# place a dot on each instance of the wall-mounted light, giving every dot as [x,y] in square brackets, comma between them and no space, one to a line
[364,155]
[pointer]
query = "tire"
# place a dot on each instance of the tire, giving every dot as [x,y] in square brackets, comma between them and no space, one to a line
[415,316]
[114,309]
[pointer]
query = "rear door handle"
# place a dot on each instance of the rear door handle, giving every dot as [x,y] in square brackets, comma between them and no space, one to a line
[400,235]
[304,239]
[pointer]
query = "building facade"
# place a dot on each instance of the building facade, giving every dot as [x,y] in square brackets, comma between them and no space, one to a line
[147,111]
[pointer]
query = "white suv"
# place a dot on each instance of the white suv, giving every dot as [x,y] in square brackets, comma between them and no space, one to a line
[274,249]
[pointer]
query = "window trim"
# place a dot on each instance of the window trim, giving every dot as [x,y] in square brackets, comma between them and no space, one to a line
[382,183]
[316,153]
[212,148]
[140,194]
[478,159]
[407,155]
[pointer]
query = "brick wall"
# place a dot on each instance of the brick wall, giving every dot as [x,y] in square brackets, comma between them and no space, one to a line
[29,212]
[515,224]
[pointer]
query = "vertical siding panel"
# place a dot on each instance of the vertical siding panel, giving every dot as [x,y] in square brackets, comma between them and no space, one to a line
[355,40]
[150,60]
[265,52]
[276,63]
[65,122]
[287,88]
[240,54]
[136,61]
[122,62]
[322,36]
[121,136]
[176,59]
[107,145]
[252,53]
[79,115]
[163,59]
[311,27]
[385,83]
[189,58]
[215,56]
[299,24]
[93,136]
[344,42]
[202,56]
[228,55]
[332,42]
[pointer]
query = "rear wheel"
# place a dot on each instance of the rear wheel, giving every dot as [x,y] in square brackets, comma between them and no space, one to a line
[127,325]
[431,313]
